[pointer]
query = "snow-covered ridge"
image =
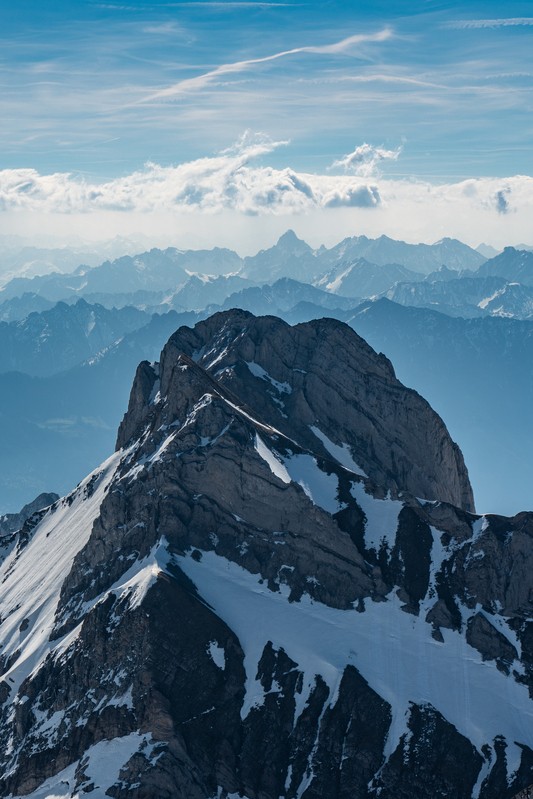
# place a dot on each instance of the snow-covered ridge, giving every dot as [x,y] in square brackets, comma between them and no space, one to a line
[31,580]
[394,651]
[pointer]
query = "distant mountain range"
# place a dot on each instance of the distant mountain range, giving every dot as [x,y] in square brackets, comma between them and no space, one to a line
[65,335]
[53,428]
[76,358]
[162,270]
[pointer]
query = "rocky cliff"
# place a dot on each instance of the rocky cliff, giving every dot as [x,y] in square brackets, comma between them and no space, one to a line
[267,592]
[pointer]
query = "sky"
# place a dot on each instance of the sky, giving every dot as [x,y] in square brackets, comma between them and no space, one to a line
[227,122]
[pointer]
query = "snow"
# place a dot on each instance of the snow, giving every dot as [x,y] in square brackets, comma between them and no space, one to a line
[321,488]
[137,580]
[155,394]
[219,357]
[31,589]
[381,517]
[335,284]
[258,371]
[276,467]
[217,654]
[101,764]
[393,650]
[342,453]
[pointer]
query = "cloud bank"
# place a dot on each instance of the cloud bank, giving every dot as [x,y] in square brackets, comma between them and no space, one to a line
[235,185]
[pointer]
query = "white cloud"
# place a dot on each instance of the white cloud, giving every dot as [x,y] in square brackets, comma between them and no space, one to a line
[228,180]
[364,159]
[506,22]
[200,81]
[234,199]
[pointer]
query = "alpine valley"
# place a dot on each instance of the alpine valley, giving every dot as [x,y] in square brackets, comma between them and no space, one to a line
[277,586]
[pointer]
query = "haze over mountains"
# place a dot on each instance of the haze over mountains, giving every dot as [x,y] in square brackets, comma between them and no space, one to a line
[65,368]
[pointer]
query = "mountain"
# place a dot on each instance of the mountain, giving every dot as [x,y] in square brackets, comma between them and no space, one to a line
[169,270]
[289,257]
[512,300]
[223,609]
[18,308]
[487,251]
[13,522]
[516,266]
[281,296]
[465,296]
[200,292]
[292,257]
[423,258]
[363,279]
[476,373]
[65,335]
[55,429]
[156,270]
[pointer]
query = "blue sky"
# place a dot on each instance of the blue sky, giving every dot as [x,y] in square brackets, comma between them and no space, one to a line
[80,82]
[98,89]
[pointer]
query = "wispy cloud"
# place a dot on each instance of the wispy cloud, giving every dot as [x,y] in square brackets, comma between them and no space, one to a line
[506,22]
[200,81]
[216,5]
[364,160]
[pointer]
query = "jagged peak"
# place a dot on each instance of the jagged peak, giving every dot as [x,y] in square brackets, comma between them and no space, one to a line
[333,379]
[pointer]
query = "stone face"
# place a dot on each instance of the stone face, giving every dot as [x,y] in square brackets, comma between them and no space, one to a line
[241,612]
[486,639]
[322,370]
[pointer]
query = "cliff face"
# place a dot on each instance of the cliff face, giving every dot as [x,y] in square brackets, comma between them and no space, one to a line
[321,371]
[230,607]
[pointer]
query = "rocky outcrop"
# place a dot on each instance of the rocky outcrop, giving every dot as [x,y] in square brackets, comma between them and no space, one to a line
[11,522]
[230,607]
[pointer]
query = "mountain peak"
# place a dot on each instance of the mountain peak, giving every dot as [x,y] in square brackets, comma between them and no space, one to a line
[249,612]
[289,238]
[333,379]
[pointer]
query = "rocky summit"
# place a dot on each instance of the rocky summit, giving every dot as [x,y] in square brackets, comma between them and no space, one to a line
[277,586]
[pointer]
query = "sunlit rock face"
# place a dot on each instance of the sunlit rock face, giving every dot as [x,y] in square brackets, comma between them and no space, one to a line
[276,586]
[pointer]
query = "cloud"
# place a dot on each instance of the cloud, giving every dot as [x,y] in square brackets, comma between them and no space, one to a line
[353,197]
[233,196]
[508,22]
[200,81]
[502,203]
[217,5]
[364,159]
[228,180]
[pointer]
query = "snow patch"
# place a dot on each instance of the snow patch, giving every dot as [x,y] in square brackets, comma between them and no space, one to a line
[101,764]
[381,517]
[341,453]
[258,371]
[276,466]
[217,654]
[321,488]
